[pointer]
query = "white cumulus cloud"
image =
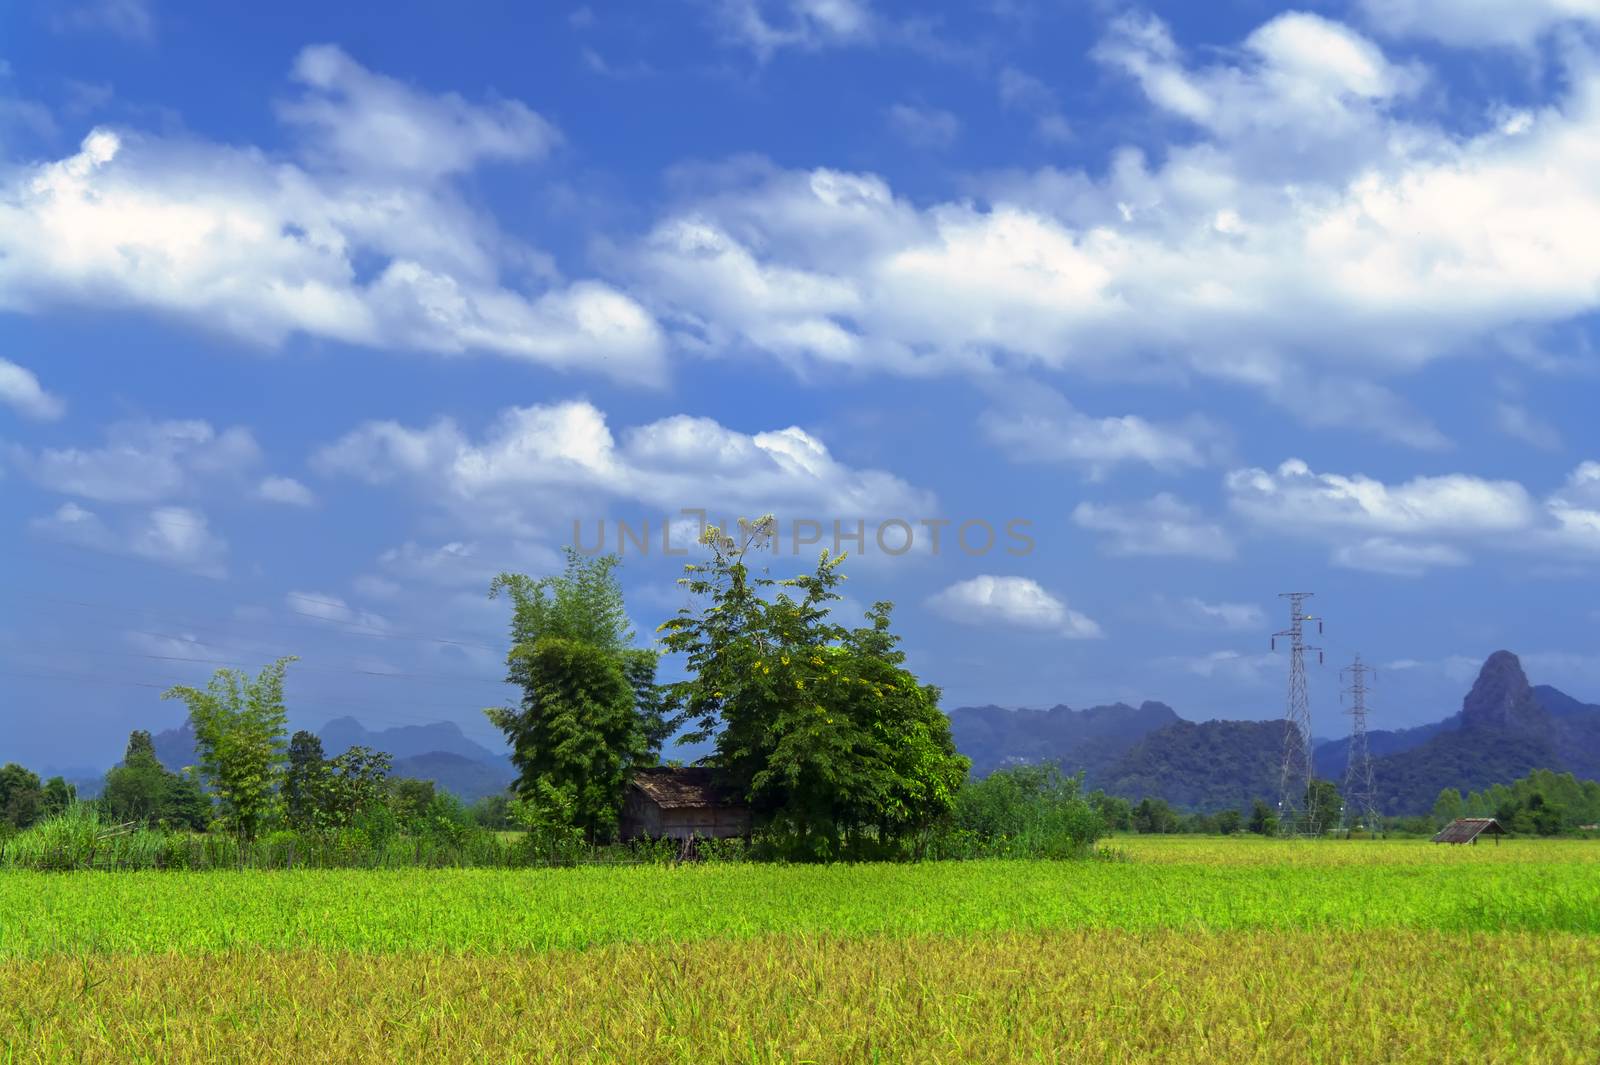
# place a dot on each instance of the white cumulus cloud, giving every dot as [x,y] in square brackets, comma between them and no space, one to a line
[1309,239]
[1013,601]
[20,390]
[1296,497]
[1478,23]
[364,240]
[562,454]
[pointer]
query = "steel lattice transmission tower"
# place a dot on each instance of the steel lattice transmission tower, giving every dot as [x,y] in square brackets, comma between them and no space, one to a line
[1295,812]
[1360,795]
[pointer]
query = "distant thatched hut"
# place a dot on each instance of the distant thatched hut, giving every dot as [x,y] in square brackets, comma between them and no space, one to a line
[681,803]
[1468,829]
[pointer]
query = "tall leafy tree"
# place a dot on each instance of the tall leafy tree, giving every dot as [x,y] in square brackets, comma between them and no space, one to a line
[1325,804]
[590,708]
[138,788]
[355,782]
[305,780]
[820,726]
[188,806]
[239,728]
[1448,806]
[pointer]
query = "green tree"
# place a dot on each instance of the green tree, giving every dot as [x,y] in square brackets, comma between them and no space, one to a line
[239,728]
[136,789]
[355,784]
[21,796]
[1229,822]
[1545,816]
[591,710]
[1154,816]
[1115,812]
[305,781]
[492,812]
[1448,807]
[187,804]
[1263,822]
[411,799]
[1325,804]
[576,749]
[58,795]
[821,727]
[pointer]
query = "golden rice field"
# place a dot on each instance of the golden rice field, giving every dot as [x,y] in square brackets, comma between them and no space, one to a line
[1189,950]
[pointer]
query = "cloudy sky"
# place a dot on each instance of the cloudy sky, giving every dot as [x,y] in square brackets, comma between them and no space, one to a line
[312,322]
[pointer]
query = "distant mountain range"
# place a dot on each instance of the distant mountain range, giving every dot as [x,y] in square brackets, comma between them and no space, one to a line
[1505,728]
[439,752]
[1077,739]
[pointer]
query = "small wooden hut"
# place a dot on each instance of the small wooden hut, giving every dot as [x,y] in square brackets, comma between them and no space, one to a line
[682,804]
[1468,829]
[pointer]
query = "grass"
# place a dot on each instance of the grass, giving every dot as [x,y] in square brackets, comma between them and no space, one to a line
[1390,853]
[499,910]
[1192,949]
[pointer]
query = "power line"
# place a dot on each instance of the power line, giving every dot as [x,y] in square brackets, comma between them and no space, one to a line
[1296,811]
[243,647]
[209,623]
[387,712]
[240,663]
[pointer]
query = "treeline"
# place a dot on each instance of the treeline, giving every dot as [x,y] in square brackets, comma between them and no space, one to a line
[340,812]
[839,751]
[1157,816]
[1543,803]
[248,779]
[1025,812]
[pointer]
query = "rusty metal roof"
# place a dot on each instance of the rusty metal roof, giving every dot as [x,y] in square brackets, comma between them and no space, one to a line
[1467,829]
[678,788]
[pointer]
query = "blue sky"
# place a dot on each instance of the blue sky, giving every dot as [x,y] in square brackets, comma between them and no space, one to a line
[312,322]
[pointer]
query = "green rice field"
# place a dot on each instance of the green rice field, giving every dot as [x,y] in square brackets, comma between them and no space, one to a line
[1178,949]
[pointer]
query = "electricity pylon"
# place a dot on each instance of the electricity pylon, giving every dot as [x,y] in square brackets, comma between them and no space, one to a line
[1360,795]
[1296,811]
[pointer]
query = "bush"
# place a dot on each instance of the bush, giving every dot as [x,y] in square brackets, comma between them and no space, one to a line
[1024,812]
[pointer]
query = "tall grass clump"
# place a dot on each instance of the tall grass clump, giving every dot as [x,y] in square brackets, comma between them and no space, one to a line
[82,838]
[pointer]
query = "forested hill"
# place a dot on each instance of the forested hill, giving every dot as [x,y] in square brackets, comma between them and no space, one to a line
[1332,756]
[1211,765]
[1505,729]
[1089,740]
[1135,752]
